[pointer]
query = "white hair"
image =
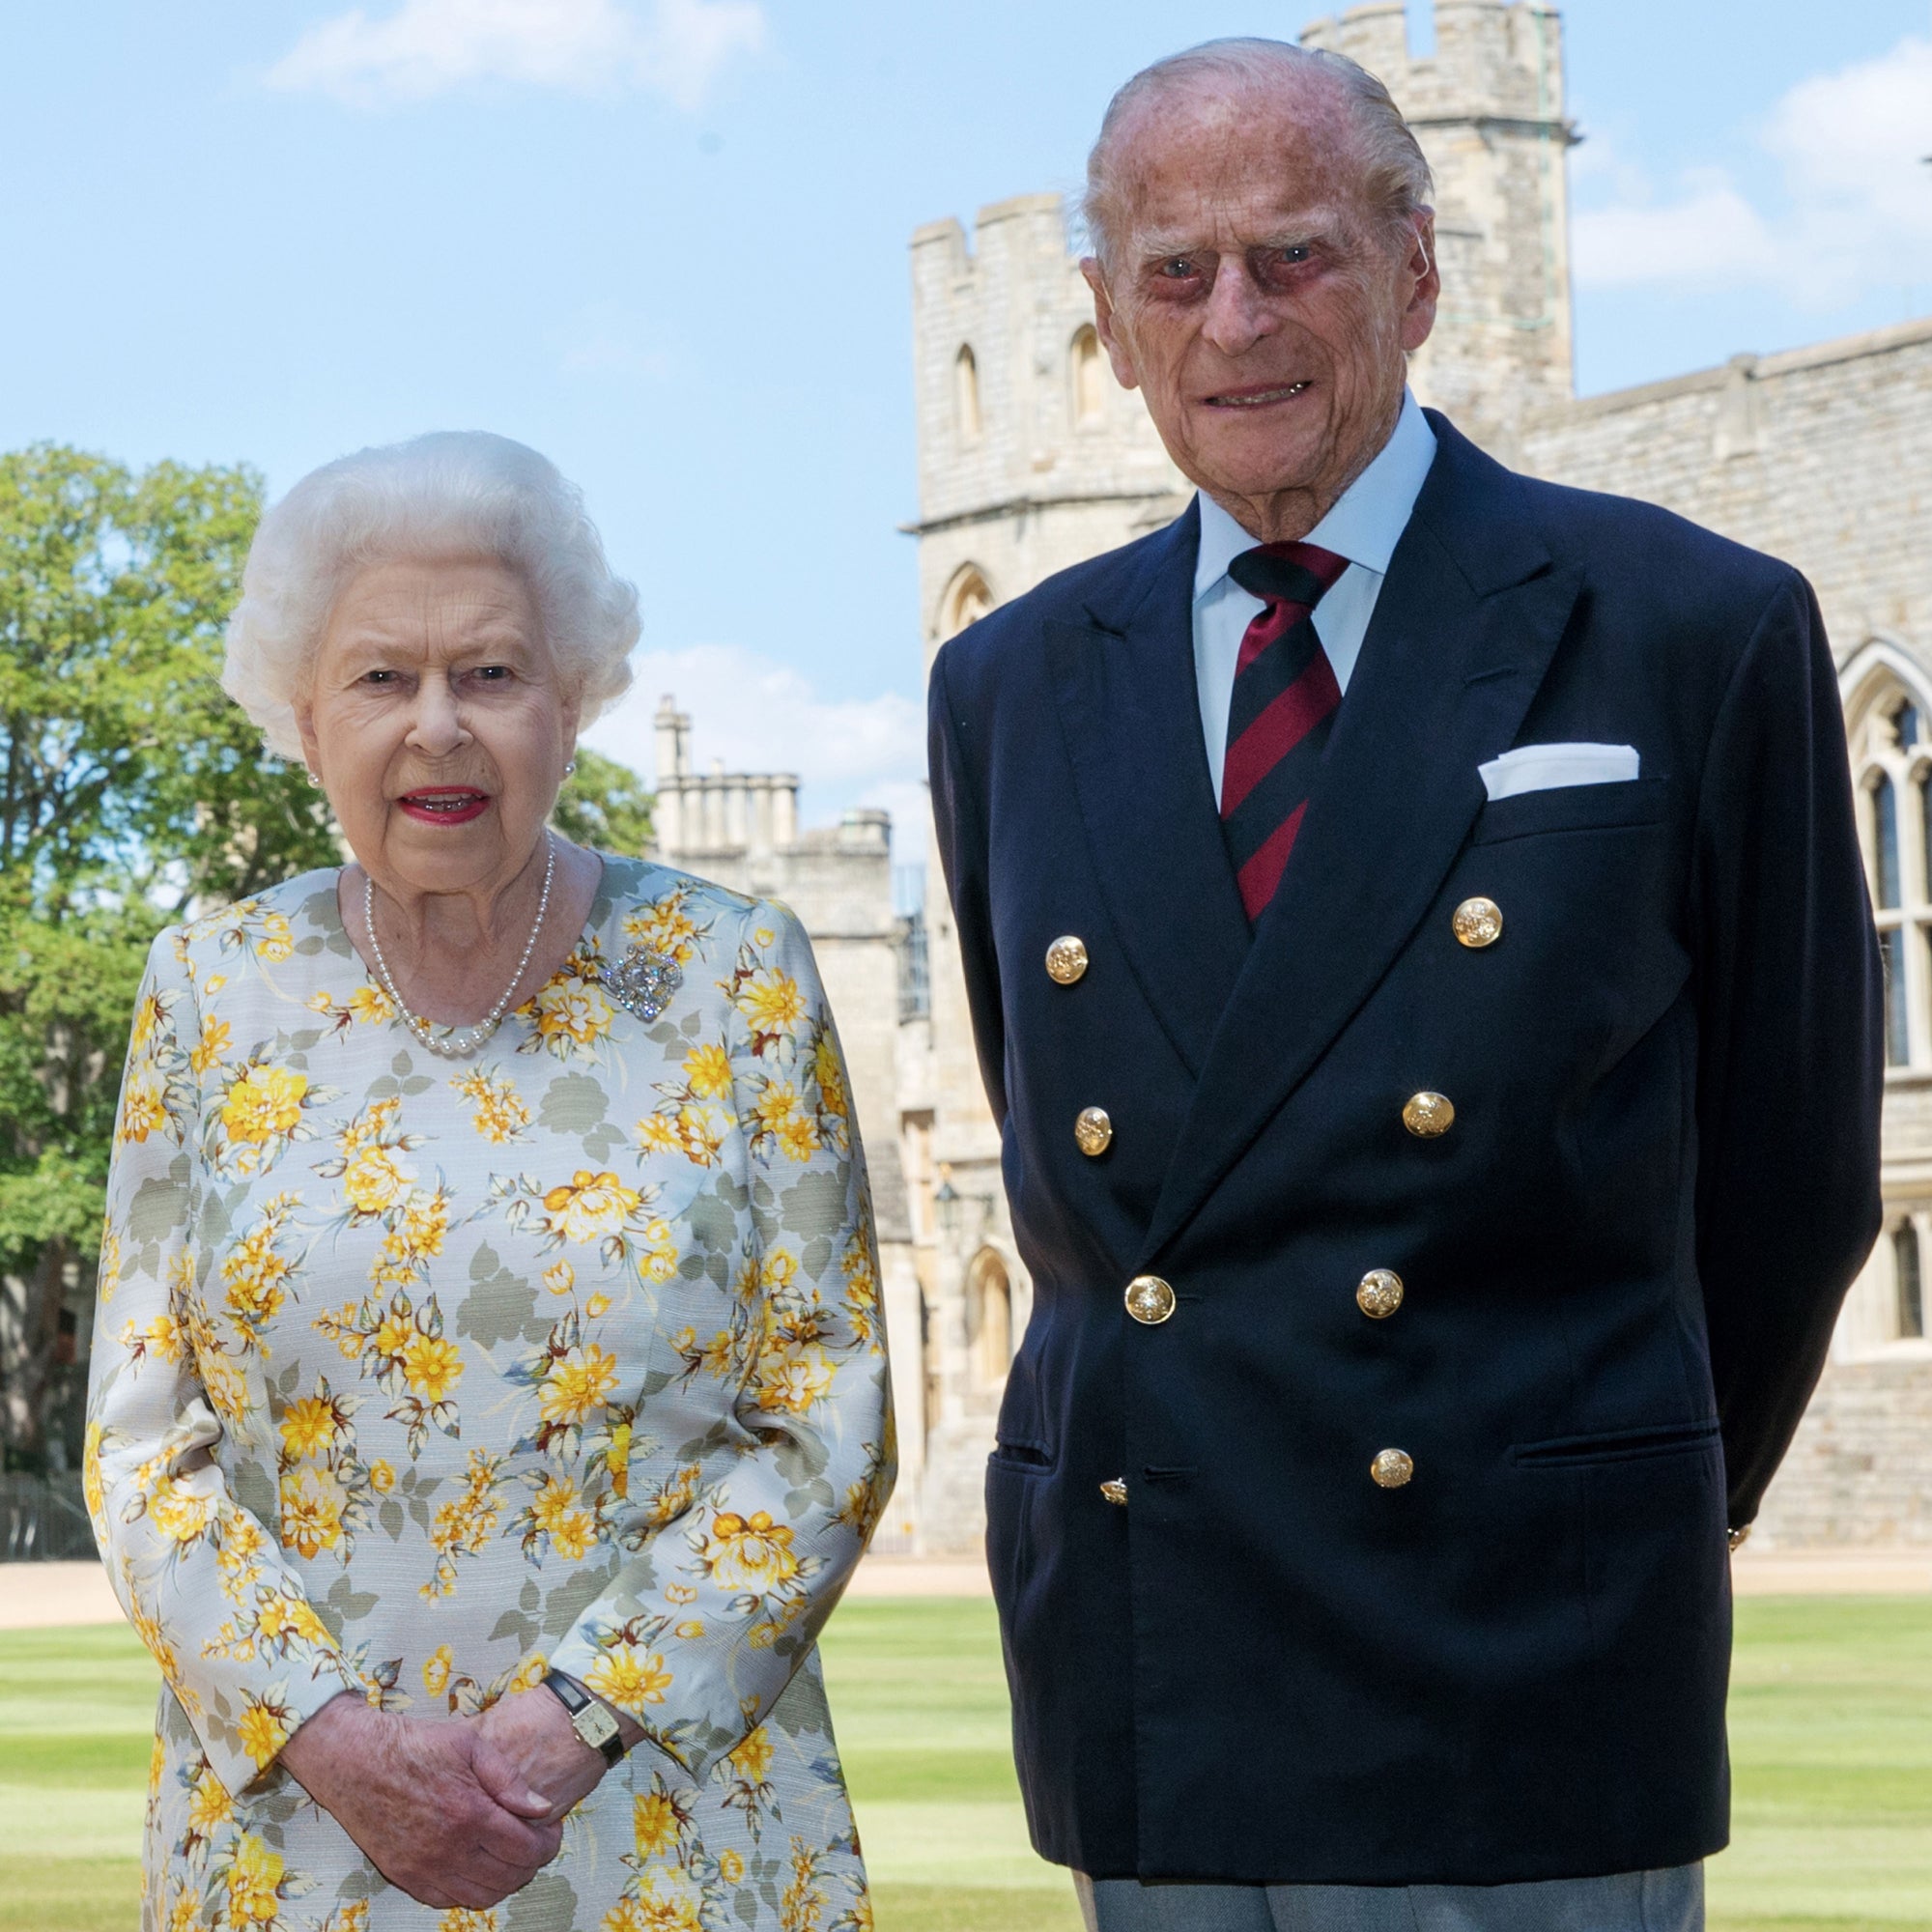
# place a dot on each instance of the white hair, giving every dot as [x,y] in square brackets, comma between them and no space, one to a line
[453,493]
[1396,180]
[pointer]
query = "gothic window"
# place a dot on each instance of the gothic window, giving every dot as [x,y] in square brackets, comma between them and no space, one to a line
[1893,761]
[1908,1280]
[967,599]
[989,1316]
[966,394]
[1090,378]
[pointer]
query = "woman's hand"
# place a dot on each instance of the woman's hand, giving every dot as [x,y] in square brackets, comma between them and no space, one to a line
[534,1732]
[435,1806]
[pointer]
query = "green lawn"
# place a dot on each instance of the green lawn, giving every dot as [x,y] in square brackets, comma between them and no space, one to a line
[1831,1733]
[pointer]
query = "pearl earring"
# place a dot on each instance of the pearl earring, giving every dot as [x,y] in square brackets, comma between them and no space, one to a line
[570,767]
[315,777]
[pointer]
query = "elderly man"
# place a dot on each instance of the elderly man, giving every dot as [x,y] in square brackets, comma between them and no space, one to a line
[1423,973]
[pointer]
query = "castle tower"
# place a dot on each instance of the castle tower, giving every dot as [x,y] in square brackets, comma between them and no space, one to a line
[1488,108]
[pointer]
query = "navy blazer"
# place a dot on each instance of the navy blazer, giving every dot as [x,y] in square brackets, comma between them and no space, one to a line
[1622,1263]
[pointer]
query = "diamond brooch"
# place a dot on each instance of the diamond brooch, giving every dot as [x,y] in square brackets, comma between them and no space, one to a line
[643,981]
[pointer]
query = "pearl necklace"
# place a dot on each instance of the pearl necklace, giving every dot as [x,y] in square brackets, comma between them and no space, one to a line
[457,1042]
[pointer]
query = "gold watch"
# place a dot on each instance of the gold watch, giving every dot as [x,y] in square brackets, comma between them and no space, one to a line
[589,1719]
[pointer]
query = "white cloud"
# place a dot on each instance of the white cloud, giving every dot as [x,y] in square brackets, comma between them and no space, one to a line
[580,47]
[754,714]
[1856,208]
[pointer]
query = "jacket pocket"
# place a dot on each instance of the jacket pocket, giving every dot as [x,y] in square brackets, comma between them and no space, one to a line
[1583,807]
[1617,1445]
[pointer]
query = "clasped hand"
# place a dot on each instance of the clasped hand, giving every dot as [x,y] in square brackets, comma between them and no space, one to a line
[457,1812]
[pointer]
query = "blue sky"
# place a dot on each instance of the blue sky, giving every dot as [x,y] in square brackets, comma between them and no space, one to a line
[665,241]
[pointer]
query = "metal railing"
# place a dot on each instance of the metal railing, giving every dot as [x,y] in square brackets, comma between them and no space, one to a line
[43,1519]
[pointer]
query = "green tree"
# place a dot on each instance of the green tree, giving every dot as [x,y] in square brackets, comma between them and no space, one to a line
[130,786]
[604,805]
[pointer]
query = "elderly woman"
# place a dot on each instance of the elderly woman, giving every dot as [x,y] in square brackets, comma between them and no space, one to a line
[490,1400]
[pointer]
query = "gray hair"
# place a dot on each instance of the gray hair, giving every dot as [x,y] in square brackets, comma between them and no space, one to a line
[1396,180]
[456,491]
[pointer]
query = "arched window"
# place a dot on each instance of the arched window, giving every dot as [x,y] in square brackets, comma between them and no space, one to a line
[966,394]
[1090,378]
[967,599]
[1886,717]
[1909,1281]
[989,1316]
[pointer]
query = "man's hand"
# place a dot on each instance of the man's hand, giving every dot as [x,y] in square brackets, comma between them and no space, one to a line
[533,1731]
[436,1807]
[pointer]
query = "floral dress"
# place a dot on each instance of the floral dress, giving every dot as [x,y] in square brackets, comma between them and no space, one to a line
[417,1376]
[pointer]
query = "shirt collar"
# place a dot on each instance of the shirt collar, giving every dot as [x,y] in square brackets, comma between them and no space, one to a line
[1364,523]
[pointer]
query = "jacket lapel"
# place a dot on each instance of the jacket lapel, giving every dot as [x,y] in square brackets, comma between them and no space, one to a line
[1469,618]
[1131,718]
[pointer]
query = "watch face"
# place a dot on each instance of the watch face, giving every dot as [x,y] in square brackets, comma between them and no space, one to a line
[595,1726]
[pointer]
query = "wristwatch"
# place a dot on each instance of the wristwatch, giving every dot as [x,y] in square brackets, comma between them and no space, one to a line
[591,1721]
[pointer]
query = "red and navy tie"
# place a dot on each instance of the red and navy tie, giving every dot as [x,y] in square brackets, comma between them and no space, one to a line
[1282,710]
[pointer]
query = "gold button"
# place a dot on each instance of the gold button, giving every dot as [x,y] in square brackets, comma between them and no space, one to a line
[1115,1489]
[1428,1114]
[1478,923]
[1392,1468]
[1150,1300]
[1093,1131]
[1067,959]
[1380,1293]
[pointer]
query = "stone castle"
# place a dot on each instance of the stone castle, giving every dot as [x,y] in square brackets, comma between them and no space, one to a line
[1030,459]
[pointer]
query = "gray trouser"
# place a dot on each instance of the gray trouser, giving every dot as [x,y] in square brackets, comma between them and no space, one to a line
[1651,1901]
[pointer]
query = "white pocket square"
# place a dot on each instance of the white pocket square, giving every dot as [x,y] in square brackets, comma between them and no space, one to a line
[1546,767]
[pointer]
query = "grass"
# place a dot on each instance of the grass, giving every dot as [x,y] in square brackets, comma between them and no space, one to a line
[1830,1730]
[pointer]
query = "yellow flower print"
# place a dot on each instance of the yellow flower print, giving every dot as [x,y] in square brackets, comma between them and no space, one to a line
[557,1513]
[466,1919]
[208,1805]
[381,1476]
[660,1258]
[771,1000]
[530,1673]
[150,1015]
[579,1383]
[599,1304]
[437,1667]
[589,1207]
[798,1138]
[266,1102]
[253,1881]
[775,1104]
[309,1427]
[432,1366]
[159,1339]
[802,1909]
[707,1070]
[831,1074]
[276,940]
[752,1759]
[370,1005]
[675,1495]
[215,1040]
[464,1525]
[560,1278]
[655,1823]
[751,1553]
[93,1493]
[313,1501]
[181,1513]
[572,1015]
[630,1678]
[263,1731]
[144,1108]
[797,1381]
[375,1181]
[780,1268]
[499,1115]
[730,1866]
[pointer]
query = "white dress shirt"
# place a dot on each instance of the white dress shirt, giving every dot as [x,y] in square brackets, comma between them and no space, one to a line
[1364,526]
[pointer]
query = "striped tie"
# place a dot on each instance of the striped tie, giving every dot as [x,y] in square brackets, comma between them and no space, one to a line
[1283,707]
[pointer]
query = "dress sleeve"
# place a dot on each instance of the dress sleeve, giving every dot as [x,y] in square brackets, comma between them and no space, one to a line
[199,1576]
[787,1416]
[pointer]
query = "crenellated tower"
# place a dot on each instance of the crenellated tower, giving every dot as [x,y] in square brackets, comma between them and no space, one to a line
[1487,108]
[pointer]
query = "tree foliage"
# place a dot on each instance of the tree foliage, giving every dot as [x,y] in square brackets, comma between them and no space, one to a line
[604,805]
[130,786]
